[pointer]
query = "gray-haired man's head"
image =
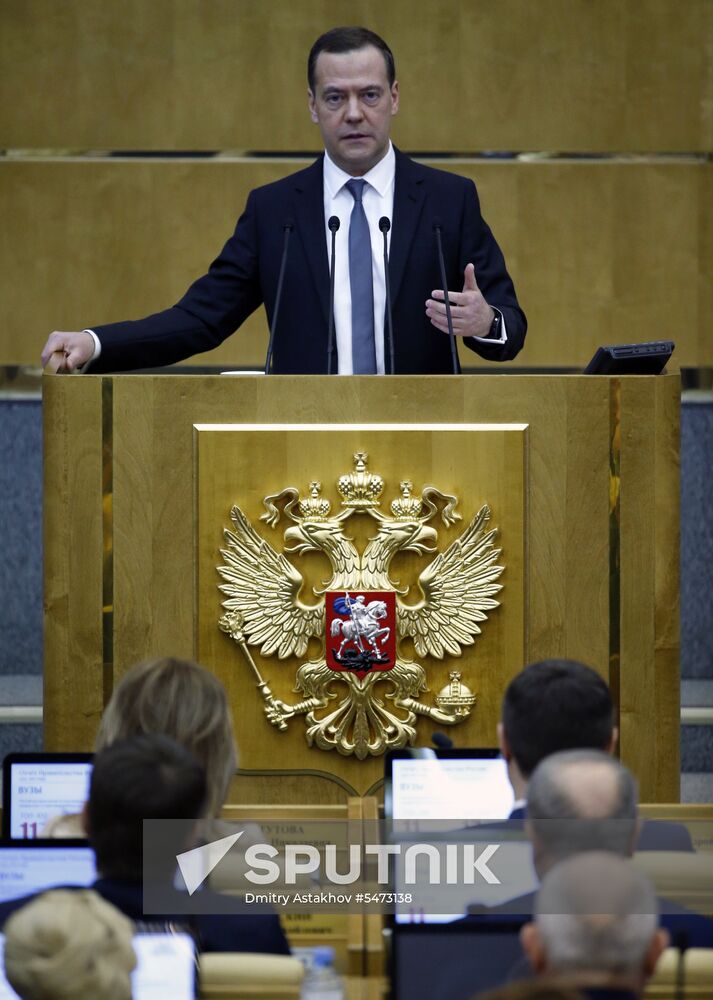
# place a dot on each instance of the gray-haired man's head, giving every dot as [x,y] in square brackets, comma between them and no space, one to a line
[581,800]
[596,921]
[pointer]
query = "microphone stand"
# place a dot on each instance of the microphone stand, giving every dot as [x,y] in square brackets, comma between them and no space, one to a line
[333,227]
[288,227]
[385,226]
[444,282]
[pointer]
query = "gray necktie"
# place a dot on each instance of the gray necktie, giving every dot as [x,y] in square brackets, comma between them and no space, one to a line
[362,287]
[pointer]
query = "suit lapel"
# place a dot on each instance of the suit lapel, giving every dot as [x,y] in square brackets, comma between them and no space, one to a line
[309,212]
[408,202]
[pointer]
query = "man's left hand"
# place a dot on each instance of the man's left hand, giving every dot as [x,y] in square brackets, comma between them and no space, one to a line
[471,314]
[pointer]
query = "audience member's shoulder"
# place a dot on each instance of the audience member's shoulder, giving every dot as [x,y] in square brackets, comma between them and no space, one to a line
[662,835]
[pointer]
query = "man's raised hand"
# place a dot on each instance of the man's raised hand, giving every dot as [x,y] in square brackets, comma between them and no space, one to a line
[471,314]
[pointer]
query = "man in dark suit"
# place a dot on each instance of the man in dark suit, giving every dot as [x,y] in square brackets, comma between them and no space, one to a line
[580,801]
[361,180]
[556,705]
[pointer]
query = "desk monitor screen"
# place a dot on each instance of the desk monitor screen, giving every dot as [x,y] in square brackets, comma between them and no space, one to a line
[29,866]
[631,359]
[39,786]
[454,961]
[165,967]
[6,991]
[464,784]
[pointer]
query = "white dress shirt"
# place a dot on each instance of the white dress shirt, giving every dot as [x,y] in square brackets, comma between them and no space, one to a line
[378,201]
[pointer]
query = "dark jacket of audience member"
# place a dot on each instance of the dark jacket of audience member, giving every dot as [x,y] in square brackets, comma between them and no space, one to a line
[556,705]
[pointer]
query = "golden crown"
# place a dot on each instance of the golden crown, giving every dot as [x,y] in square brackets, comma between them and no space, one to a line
[406,507]
[360,489]
[317,507]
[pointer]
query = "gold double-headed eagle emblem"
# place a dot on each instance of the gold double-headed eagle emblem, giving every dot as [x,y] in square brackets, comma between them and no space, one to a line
[361,695]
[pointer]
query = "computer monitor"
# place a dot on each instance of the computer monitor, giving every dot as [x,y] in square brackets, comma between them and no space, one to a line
[31,866]
[631,359]
[166,966]
[440,784]
[39,786]
[454,961]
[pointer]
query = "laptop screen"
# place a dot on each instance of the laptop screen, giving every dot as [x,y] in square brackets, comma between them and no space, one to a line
[36,865]
[454,961]
[425,784]
[165,967]
[463,795]
[38,787]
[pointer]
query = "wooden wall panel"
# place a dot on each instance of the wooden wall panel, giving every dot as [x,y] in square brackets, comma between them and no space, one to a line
[567,610]
[600,252]
[73,548]
[566,75]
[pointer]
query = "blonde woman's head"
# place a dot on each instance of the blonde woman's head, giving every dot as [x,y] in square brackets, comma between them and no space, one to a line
[67,944]
[180,699]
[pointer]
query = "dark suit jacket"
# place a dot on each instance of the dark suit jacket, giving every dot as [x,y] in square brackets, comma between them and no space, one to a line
[245,275]
[655,834]
[686,927]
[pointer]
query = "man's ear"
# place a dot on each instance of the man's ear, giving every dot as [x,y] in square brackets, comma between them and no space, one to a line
[311,106]
[395,97]
[613,742]
[659,943]
[503,743]
[531,943]
[84,820]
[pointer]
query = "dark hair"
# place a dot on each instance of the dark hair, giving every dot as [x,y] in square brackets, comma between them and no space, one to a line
[349,40]
[556,705]
[145,777]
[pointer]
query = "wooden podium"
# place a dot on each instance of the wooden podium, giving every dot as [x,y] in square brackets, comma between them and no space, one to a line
[580,475]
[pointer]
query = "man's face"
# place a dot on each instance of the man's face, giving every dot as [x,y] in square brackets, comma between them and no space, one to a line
[353,105]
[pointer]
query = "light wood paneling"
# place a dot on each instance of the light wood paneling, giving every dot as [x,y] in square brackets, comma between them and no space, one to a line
[649,608]
[600,252]
[73,551]
[567,610]
[478,464]
[563,75]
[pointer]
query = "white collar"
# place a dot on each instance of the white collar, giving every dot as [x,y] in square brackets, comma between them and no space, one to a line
[380,177]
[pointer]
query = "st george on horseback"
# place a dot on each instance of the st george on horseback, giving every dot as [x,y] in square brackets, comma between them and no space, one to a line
[361,631]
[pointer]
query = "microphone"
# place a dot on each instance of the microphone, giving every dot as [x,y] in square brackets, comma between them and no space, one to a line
[441,741]
[385,226]
[287,227]
[333,227]
[449,319]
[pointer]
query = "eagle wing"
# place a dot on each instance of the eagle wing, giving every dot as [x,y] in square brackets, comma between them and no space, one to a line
[458,588]
[262,585]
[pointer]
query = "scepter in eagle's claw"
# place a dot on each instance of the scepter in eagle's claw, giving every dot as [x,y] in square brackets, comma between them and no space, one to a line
[232,624]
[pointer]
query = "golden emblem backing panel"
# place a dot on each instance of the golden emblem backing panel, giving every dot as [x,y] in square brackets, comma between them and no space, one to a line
[434,513]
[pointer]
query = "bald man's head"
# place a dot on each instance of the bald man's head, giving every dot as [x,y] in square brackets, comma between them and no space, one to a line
[581,800]
[596,921]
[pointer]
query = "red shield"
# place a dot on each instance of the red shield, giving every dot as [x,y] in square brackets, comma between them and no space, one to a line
[361,630]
